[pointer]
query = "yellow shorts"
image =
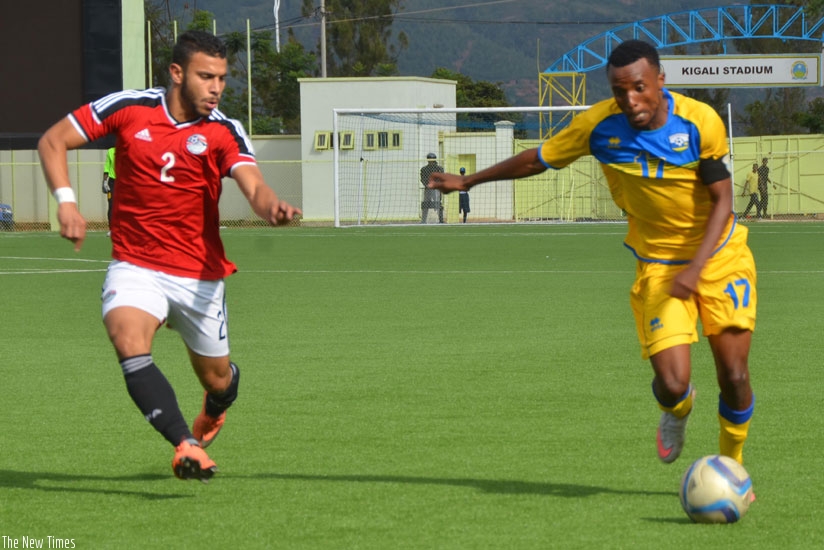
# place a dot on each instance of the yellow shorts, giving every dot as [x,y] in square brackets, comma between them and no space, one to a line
[725,298]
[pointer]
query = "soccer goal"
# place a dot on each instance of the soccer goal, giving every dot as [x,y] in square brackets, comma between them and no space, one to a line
[379,155]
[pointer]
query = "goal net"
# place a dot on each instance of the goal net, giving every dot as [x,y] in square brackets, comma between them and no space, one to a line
[381,161]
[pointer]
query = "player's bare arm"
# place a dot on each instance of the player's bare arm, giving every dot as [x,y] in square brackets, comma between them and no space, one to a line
[522,165]
[686,282]
[262,198]
[52,147]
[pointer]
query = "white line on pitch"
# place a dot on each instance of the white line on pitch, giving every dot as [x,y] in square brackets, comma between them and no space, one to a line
[54,259]
[52,271]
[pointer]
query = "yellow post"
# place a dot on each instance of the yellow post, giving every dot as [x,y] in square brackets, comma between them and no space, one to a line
[552,91]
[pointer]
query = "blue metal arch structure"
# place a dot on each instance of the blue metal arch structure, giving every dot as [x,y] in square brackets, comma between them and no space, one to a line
[694,27]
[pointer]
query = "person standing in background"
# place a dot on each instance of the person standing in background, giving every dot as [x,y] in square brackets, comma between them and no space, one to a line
[109,177]
[764,186]
[432,198]
[751,189]
[463,199]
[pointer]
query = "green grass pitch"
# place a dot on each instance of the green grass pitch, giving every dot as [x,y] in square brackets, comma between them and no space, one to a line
[414,387]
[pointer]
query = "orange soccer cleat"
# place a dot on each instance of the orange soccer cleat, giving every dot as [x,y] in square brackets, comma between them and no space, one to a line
[206,428]
[192,462]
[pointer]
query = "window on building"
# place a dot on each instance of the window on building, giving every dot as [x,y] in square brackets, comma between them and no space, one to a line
[323,140]
[347,140]
[384,139]
[370,140]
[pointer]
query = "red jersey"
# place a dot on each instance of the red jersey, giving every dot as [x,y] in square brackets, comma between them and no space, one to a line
[165,210]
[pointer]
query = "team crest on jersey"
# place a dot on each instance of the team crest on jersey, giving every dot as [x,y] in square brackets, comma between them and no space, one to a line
[679,142]
[614,143]
[196,144]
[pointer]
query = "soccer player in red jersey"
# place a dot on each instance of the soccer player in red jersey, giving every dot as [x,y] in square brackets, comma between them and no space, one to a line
[173,148]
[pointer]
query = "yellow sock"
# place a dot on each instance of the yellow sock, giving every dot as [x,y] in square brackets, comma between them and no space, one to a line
[680,409]
[732,437]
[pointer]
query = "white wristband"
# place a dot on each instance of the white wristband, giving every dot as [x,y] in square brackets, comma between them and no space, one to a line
[64,194]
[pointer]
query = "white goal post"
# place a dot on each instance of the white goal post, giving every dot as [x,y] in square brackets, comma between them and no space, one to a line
[379,153]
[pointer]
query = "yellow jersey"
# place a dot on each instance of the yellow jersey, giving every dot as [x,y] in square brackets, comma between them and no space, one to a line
[652,174]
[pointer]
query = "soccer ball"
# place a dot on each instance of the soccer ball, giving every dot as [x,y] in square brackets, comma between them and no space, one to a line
[716,489]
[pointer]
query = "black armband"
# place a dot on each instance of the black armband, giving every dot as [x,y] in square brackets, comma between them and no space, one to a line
[712,170]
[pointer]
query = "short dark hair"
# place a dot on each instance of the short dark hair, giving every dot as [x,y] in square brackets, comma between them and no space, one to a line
[630,51]
[192,42]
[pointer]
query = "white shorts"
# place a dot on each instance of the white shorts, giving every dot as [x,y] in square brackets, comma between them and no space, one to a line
[196,309]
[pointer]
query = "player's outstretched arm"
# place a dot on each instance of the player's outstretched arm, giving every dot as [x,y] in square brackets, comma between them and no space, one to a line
[522,165]
[52,147]
[263,200]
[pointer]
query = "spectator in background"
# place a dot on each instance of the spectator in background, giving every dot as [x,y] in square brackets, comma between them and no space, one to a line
[751,189]
[432,198]
[108,183]
[764,186]
[463,199]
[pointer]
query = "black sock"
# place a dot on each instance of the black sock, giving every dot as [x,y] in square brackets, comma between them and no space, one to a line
[217,403]
[155,398]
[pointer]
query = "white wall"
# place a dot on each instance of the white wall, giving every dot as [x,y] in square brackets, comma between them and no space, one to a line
[318,96]
[134,44]
[279,160]
[494,200]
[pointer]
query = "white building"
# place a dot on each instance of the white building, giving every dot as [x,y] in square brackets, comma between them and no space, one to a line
[319,96]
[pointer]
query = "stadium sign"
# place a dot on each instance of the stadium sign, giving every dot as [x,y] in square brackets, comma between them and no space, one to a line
[730,71]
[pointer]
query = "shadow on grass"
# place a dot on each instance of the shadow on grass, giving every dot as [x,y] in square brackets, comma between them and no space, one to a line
[10,479]
[492,486]
[678,521]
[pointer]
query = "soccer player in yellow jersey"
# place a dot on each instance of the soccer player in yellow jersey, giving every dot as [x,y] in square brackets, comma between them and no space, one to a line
[664,157]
